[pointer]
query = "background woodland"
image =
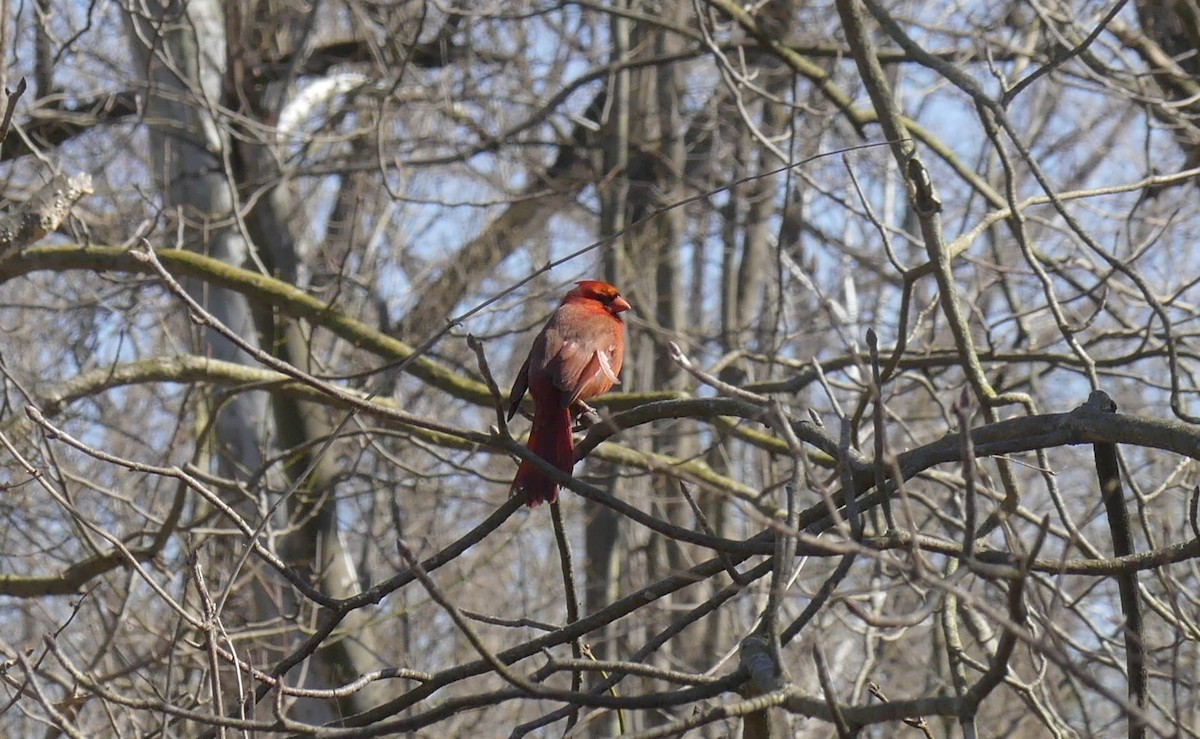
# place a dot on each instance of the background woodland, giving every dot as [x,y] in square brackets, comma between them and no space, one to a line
[907,434]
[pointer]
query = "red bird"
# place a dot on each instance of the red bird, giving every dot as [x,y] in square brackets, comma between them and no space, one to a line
[576,357]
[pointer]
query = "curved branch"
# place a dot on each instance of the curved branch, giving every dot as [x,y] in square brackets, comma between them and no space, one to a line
[1090,423]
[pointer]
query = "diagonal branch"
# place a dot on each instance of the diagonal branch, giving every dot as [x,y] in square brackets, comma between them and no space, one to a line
[42,213]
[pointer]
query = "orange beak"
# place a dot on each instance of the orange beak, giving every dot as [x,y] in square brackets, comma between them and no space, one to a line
[619,305]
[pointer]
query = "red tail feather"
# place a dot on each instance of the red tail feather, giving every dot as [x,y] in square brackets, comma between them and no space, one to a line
[550,439]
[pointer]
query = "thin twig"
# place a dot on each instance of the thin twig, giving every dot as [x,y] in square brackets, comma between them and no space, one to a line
[962,411]
[702,519]
[10,107]
[880,429]
[462,623]
[839,721]
[497,400]
[570,595]
[916,723]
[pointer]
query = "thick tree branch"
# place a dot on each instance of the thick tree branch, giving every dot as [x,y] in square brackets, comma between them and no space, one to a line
[42,213]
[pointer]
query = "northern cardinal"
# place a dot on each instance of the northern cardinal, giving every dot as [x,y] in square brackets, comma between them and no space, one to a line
[576,357]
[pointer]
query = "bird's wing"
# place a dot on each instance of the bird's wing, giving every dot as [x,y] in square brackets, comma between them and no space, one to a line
[580,355]
[520,385]
[597,377]
[582,370]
